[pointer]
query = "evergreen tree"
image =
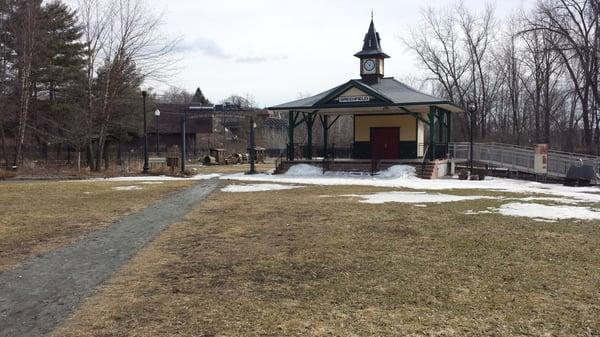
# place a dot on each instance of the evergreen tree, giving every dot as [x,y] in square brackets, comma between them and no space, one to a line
[58,76]
[62,65]
[199,98]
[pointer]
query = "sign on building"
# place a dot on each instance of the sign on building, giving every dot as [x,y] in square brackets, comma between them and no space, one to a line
[354,99]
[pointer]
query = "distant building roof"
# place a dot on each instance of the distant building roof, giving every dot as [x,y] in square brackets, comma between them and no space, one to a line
[200,117]
[169,121]
[275,123]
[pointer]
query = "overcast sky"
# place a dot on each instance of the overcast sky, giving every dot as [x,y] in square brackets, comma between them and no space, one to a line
[275,49]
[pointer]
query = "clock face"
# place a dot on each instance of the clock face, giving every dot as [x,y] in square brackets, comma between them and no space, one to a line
[369,65]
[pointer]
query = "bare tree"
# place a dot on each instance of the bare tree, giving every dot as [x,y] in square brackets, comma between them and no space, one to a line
[176,95]
[453,45]
[575,23]
[126,36]
[477,32]
[25,30]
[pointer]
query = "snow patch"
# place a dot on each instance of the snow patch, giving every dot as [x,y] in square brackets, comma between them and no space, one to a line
[399,171]
[584,194]
[304,170]
[258,188]
[539,211]
[413,197]
[556,200]
[127,188]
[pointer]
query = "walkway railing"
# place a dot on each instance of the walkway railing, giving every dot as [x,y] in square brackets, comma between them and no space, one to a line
[519,158]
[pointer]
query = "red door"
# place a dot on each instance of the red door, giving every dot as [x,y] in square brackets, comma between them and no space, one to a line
[385,143]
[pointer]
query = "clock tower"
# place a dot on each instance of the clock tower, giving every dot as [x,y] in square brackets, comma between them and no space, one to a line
[371,57]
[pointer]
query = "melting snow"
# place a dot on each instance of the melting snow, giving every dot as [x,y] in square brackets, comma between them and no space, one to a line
[413,197]
[399,177]
[539,211]
[258,188]
[304,170]
[556,200]
[127,188]
[399,171]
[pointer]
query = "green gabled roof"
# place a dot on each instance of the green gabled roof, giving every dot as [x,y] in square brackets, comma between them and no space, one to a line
[388,90]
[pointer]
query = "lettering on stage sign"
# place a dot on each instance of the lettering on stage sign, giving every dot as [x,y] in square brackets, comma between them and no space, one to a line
[354,99]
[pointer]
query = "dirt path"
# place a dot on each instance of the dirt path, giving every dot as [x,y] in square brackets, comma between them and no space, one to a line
[37,296]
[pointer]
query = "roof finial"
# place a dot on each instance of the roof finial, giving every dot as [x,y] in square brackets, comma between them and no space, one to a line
[371,14]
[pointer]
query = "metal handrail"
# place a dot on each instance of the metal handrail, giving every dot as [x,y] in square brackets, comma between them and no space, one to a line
[520,158]
[423,163]
[374,166]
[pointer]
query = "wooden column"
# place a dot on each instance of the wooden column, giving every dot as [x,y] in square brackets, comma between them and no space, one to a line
[309,118]
[441,121]
[291,126]
[449,128]
[432,133]
[325,135]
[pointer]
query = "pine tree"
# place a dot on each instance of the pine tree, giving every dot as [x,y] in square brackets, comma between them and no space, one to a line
[58,76]
[62,62]
[199,98]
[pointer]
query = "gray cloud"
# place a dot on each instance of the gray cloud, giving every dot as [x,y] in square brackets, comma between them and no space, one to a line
[205,46]
[211,48]
[251,59]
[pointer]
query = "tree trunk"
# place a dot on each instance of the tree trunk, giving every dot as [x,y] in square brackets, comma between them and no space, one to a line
[22,115]
[26,36]
[3,144]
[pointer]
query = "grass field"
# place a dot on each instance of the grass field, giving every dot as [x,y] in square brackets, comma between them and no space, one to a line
[295,263]
[36,217]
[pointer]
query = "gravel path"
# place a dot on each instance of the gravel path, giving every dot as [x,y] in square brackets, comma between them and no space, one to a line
[39,295]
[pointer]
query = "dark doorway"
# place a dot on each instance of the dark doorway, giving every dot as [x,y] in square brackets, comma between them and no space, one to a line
[385,143]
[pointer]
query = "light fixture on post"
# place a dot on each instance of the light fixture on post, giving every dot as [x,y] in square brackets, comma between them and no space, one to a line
[472,109]
[157,115]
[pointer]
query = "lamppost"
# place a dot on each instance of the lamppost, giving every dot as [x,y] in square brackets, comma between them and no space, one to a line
[183,139]
[146,166]
[472,108]
[252,146]
[157,115]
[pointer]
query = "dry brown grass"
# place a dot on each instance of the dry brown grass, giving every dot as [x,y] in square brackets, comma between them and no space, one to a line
[36,217]
[6,174]
[290,263]
[227,169]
